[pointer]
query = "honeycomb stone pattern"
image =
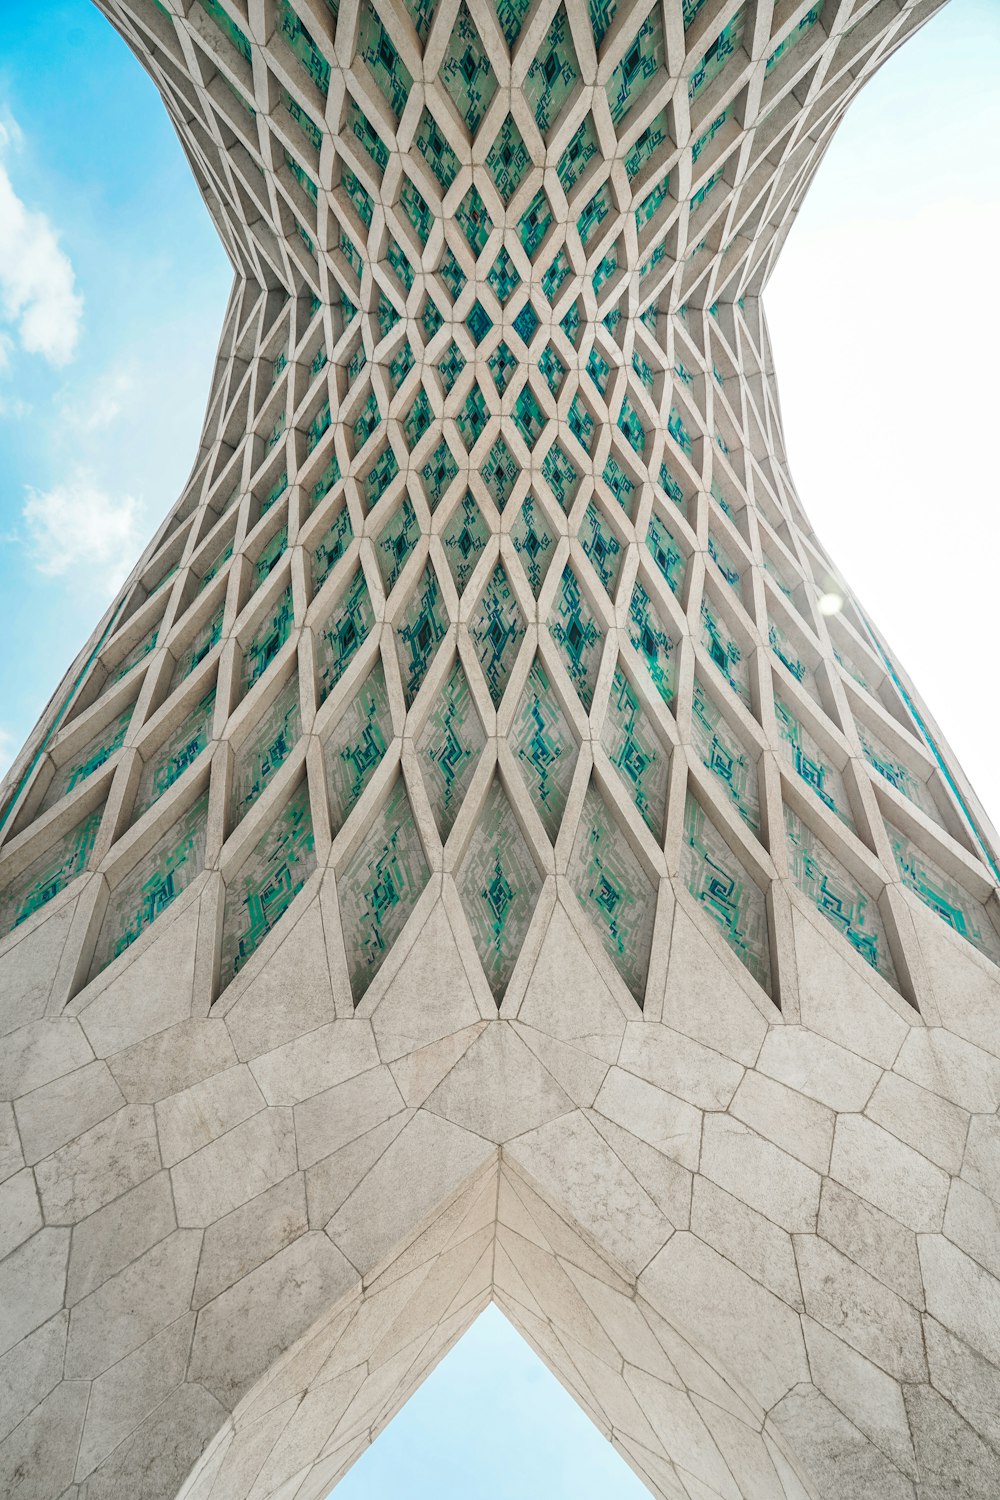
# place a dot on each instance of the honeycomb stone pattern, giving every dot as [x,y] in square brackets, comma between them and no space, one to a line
[486,821]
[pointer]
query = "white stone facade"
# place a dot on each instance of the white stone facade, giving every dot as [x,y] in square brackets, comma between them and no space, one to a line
[486,851]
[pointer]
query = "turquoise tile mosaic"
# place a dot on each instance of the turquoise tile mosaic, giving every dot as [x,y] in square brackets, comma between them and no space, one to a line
[331,547]
[466,71]
[962,912]
[636,752]
[578,636]
[614,891]
[722,752]
[153,885]
[168,762]
[719,881]
[498,885]
[356,745]
[893,769]
[83,763]
[449,746]
[553,73]
[653,641]
[808,761]
[497,630]
[545,747]
[49,874]
[725,653]
[464,539]
[534,542]
[343,632]
[642,61]
[396,542]
[380,887]
[666,553]
[837,896]
[262,890]
[267,640]
[420,632]
[265,750]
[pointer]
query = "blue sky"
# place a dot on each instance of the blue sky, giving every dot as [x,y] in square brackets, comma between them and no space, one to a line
[883,319]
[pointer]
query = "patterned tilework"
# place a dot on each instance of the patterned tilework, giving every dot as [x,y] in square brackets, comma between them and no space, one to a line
[259,894]
[665,552]
[357,744]
[636,752]
[464,539]
[545,747]
[380,887]
[578,636]
[724,651]
[498,883]
[553,73]
[534,542]
[943,895]
[449,747]
[643,59]
[809,762]
[345,629]
[48,874]
[206,639]
[466,73]
[331,547]
[265,750]
[420,632]
[895,771]
[602,546]
[653,642]
[837,896]
[148,890]
[396,542]
[614,891]
[497,629]
[179,750]
[85,762]
[719,881]
[723,753]
[267,640]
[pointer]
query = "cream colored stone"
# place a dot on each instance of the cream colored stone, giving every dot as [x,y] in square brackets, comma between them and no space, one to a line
[799,1125]
[498,1088]
[736,1323]
[234,1168]
[123,1396]
[20,1214]
[838,1003]
[292,995]
[681,1066]
[878,1167]
[574,1068]
[759,1174]
[872,1239]
[59,1111]
[31,1285]
[117,1234]
[961,1295]
[99,1165]
[951,1456]
[172,1060]
[152,993]
[427,1162]
[29,967]
[11,1158]
[667,1123]
[972,1222]
[317,1061]
[819,1069]
[851,1304]
[249,1236]
[866,1395]
[434,971]
[564,968]
[981,1166]
[30,1370]
[152,1292]
[665,1180]
[36,1461]
[691,1444]
[338,1116]
[233,1345]
[923,1120]
[575,1167]
[160,1453]
[702,1000]
[968,1381]
[334,1179]
[841,1459]
[191,1119]
[951,1067]
[35,1054]
[748,1239]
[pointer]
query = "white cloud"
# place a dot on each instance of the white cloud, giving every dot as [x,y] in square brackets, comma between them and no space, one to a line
[100,402]
[37,286]
[78,528]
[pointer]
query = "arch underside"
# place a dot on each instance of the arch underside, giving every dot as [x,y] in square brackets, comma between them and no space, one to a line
[672,1055]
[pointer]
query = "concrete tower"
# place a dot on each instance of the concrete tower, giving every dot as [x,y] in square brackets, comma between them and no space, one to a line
[485,851]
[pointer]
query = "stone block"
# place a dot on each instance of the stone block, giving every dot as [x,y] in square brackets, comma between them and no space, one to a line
[30,1370]
[31,1285]
[150,1293]
[951,1067]
[99,1165]
[799,1125]
[872,1239]
[855,1307]
[11,1157]
[37,1459]
[663,1121]
[124,1395]
[152,993]
[172,1060]
[759,1174]
[59,1111]
[961,1295]
[117,1234]
[234,1168]
[35,1054]
[156,1457]
[498,1088]
[818,1068]
[866,1395]
[250,1235]
[679,1065]
[338,1116]
[316,1061]
[842,1461]
[981,1166]
[20,1214]
[191,1119]
[875,1165]
[923,1120]
[751,1241]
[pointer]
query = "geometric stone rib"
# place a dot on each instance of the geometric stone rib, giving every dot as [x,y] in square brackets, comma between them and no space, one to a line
[490,593]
